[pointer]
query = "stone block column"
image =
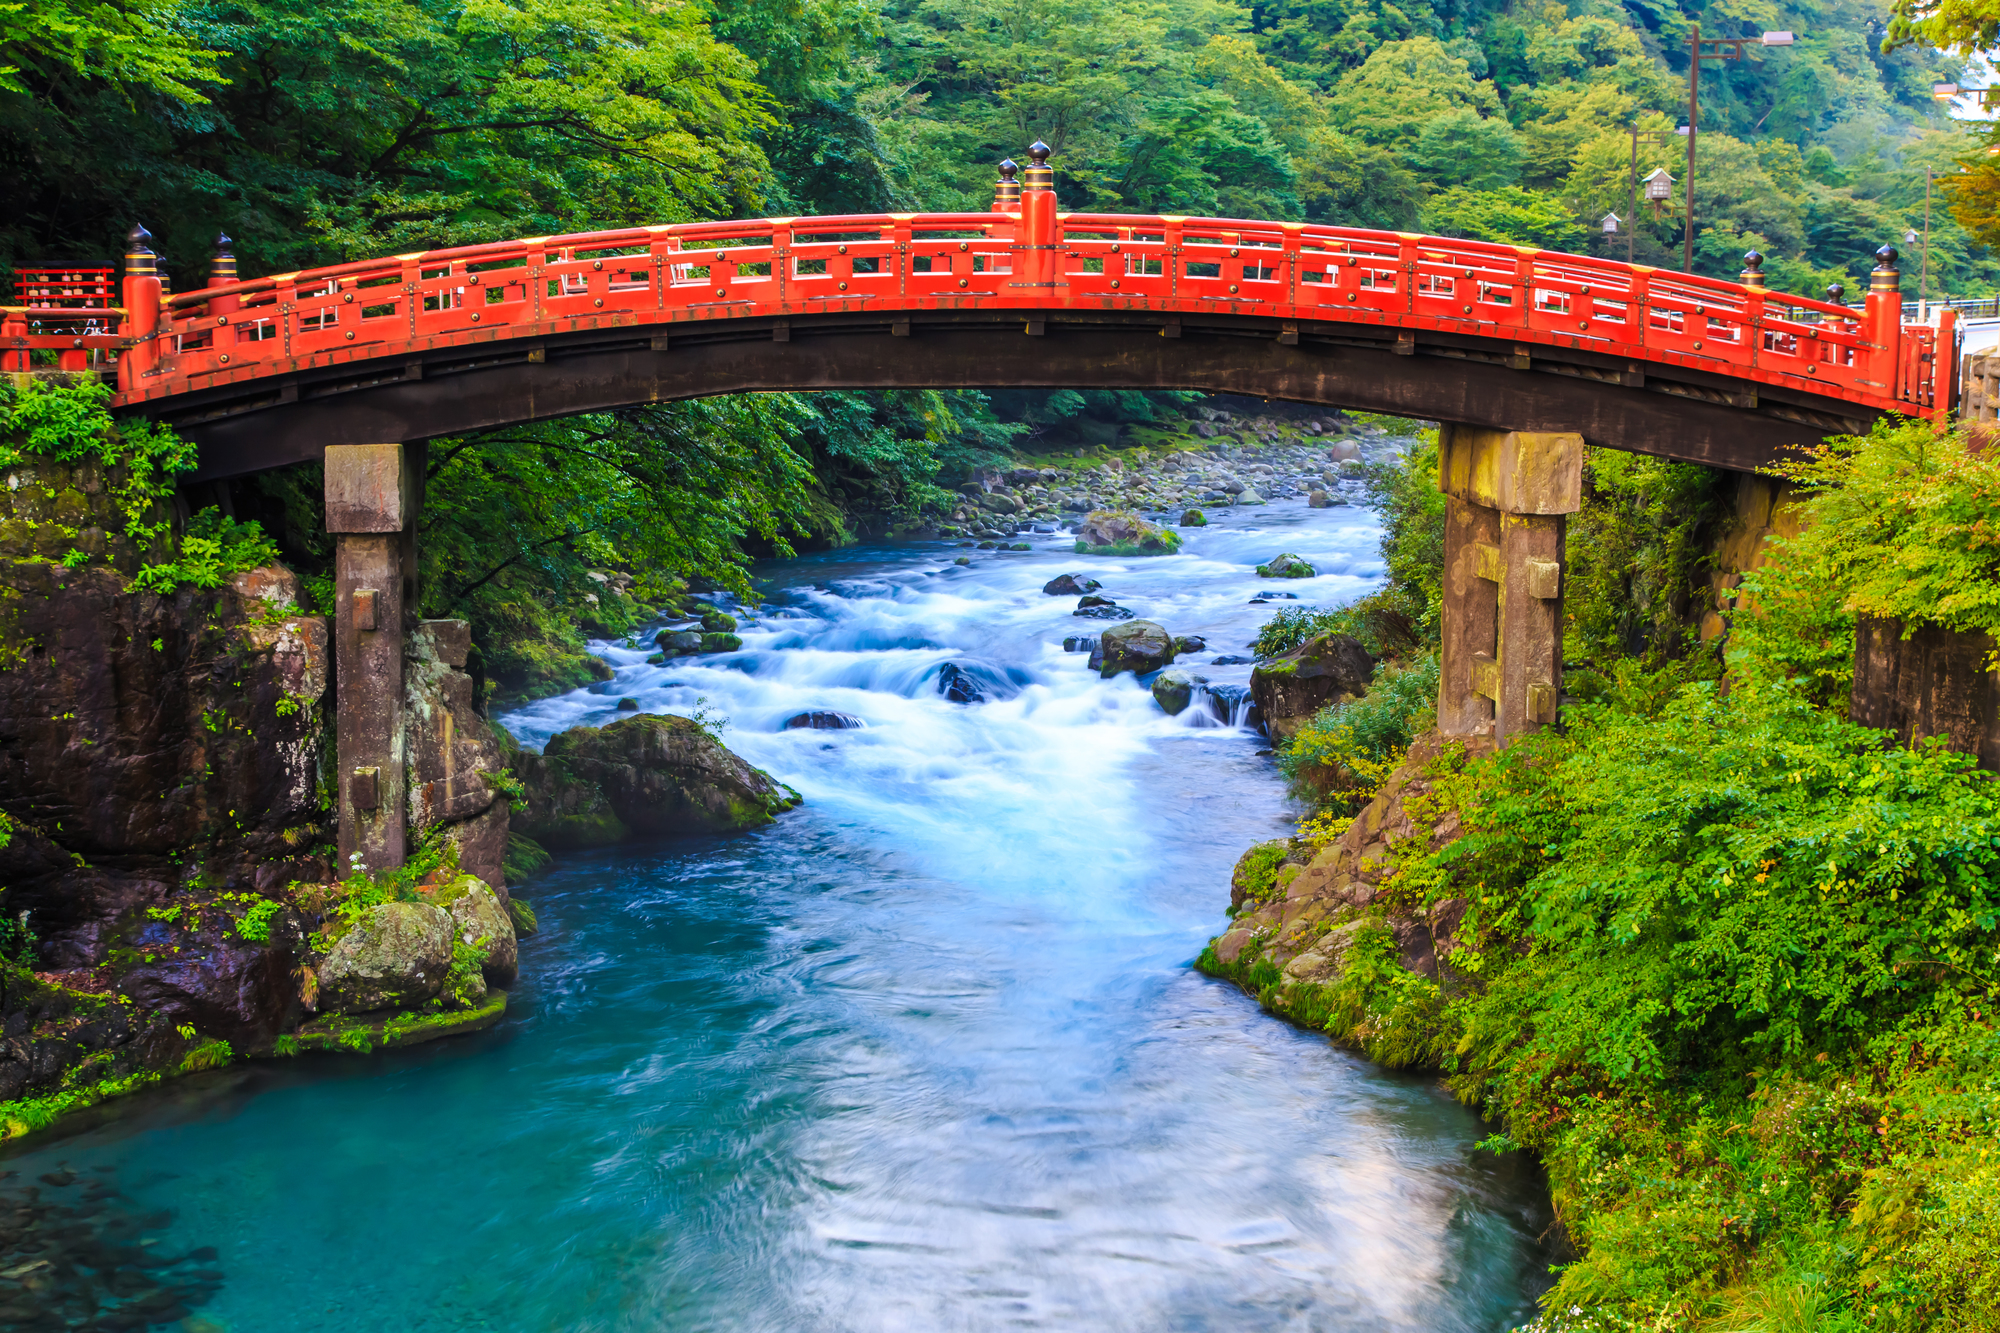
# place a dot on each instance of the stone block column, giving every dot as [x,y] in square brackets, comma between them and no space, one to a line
[1508,494]
[368,504]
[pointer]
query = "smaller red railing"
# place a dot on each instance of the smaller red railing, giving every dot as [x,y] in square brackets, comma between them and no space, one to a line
[67,314]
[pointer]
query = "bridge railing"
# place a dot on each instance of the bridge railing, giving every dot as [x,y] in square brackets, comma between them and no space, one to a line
[674,276]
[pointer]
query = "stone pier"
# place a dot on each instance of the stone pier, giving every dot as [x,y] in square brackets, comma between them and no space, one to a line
[370,504]
[1508,495]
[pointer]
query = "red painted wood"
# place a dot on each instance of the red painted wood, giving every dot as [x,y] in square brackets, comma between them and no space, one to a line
[902,263]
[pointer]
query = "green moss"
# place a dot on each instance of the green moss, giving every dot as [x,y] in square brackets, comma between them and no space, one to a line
[29,1114]
[361,1033]
[525,856]
[1167,543]
[522,913]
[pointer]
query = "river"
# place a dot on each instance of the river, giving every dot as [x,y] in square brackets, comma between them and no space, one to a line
[926,1055]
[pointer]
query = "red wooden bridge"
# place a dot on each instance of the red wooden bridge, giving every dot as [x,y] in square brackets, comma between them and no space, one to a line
[1523,355]
[269,371]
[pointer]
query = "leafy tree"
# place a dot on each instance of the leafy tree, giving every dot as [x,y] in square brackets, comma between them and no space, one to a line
[1403,85]
[137,47]
[1463,149]
[377,126]
[1511,215]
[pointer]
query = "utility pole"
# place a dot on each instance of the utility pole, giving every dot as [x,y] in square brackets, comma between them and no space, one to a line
[1725,48]
[1924,274]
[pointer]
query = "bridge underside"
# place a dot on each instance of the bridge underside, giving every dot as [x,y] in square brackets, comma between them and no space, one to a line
[1482,382]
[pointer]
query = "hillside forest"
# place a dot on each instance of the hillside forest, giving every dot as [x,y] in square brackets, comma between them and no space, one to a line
[313,132]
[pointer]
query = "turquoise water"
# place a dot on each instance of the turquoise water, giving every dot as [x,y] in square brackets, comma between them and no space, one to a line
[927,1055]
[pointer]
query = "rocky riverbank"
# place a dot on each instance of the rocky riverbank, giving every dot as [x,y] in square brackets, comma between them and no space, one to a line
[1299,907]
[1222,458]
[169,894]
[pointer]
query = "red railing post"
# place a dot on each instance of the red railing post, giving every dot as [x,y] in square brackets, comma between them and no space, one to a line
[1883,322]
[12,359]
[1944,368]
[1038,240]
[140,295]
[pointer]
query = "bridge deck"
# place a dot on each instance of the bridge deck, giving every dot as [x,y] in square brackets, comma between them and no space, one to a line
[250,347]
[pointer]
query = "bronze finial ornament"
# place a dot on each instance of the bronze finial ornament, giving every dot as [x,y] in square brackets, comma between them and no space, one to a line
[1041,176]
[1885,278]
[1753,269]
[223,268]
[1007,190]
[139,257]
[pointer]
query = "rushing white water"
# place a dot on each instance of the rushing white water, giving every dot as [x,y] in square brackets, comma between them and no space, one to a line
[926,1055]
[1002,791]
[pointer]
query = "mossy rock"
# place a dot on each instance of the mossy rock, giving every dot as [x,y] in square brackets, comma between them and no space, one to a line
[1286,566]
[720,643]
[361,1033]
[1194,518]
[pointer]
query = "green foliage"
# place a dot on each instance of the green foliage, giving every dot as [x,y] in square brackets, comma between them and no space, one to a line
[18,941]
[1404,491]
[209,1055]
[1728,967]
[351,898]
[133,47]
[1341,756]
[1508,214]
[1901,520]
[212,550]
[345,131]
[1895,524]
[254,925]
[522,913]
[464,984]
[66,420]
[524,857]
[1638,557]
[28,1114]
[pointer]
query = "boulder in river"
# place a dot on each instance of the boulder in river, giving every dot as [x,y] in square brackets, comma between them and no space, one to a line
[1194,518]
[1190,643]
[649,775]
[1230,704]
[1121,532]
[1174,688]
[675,642]
[823,719]
[720,643]
[959,685]
[1325,669]
[1286,566]
[1071,585]
[1094,607]
[1249,497]
[394,957]
[1319,499]
[718,622]
[1138,646]
[1079,643]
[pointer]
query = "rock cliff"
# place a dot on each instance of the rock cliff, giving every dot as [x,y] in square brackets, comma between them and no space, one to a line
[1298,907]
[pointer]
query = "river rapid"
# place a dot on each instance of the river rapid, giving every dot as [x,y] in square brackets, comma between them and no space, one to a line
[926,1055]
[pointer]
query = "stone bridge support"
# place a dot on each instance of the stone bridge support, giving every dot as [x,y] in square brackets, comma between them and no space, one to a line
[1508,495]
[372,495]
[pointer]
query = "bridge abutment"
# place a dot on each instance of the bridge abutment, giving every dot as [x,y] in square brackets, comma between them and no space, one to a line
[371,502]
[1509,495]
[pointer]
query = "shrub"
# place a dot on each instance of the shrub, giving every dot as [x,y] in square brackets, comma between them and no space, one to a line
[1343,755]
